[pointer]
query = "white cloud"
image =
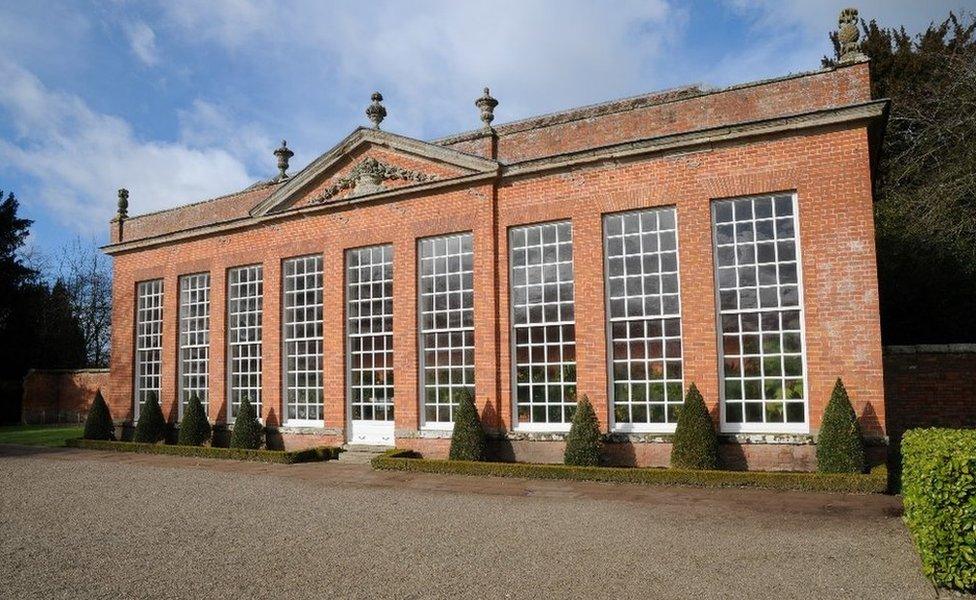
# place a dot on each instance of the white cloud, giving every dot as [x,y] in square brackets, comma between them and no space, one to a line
[209,125]
[79,158]
[142,41]
[431,59]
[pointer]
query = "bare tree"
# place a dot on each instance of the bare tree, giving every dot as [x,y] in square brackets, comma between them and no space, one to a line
[87,275]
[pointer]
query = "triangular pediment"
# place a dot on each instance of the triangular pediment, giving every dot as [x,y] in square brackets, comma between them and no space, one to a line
[370,162]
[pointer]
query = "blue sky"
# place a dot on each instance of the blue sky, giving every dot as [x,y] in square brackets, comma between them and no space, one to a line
[184,100]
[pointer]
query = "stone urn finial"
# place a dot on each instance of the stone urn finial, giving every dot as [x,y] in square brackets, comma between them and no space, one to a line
[284,154]
[376,112]
[848,36]
[486,104]
[123,204]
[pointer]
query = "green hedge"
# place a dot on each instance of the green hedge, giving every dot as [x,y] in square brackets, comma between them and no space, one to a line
[268,456]
[874,483]
[938,483]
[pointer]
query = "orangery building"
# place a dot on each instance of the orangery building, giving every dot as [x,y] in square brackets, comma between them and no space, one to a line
[624,250]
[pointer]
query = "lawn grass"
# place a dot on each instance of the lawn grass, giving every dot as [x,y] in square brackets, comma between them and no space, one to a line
[39,435]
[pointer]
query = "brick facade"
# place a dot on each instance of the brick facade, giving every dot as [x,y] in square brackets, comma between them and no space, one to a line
[810,135]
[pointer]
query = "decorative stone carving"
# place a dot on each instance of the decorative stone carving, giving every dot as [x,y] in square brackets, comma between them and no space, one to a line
[486,104]
[123,204]
[376,112]
[368,176]
[848,36]
[283,154]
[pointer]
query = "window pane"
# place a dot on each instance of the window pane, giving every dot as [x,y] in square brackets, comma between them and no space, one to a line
[644,314]
[369,332]
[446,323]
[302,336]
[760,311]
[543,324]
[245,301]
[194,339]
[149,341]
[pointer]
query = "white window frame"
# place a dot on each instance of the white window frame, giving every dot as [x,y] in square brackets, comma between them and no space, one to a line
[754,427]
[444,265]
[567,405]
[255,345]
[194,290]
[390,403]
[148,342]
[668,426]
[295,309]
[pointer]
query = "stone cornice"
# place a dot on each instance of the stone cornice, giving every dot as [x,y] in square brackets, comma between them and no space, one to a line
[854,114]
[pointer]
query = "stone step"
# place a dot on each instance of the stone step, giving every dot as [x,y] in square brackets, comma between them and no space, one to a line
[360,454]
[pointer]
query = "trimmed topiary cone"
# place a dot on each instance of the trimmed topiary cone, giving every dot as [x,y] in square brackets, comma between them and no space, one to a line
[195,428]
[248,431]
[98,424]
[840,448]
[468,438]
[151,427]
[583,442]
[695,442]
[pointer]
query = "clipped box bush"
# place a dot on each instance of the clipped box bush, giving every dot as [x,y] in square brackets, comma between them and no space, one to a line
[248,432]
[151,427]
[583,442]
[195,428]
[285,457]
[695,441]
[468,437]
[840,448]
[939,491]
[98,423]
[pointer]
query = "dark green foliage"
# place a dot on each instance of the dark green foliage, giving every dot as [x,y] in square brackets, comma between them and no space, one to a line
[98,424]
[60,338]
[151,427]
[468,438]
[875,483]
[270,456]
[939,491]
[248,431]
[695,441]
[840,448]
[583,442]
[195,428]
[925,188]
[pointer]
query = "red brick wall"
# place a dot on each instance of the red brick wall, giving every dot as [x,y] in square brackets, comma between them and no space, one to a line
[929,386]
[53,396]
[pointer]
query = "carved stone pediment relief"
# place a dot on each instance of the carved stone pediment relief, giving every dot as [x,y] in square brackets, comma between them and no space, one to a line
[368,176]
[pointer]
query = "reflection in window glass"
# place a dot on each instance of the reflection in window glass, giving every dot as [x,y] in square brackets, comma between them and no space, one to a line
[245,299]
[302,338]
[760,311]
[644,313]
[370,332]
[194,339]
[446,324]
[543,322]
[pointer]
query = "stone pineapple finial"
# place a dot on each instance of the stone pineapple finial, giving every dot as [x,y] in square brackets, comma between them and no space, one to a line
[283,153]
[486,104]
[123,204]
[848,35]
[376,112]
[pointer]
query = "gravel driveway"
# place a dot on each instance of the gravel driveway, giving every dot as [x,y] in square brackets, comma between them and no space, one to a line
[83,524]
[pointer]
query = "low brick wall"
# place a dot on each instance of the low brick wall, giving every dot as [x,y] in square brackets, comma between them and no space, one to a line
[60,395]
[929,386]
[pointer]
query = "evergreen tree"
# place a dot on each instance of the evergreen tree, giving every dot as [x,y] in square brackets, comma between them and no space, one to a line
[695,441]
[248,432]
[151,427]
[98,424]
[925,180]
[195,428]
[583,442]
[60,340]
[840,448]
[468,437]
